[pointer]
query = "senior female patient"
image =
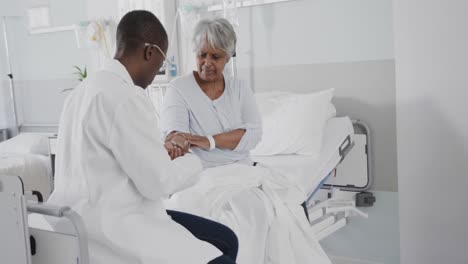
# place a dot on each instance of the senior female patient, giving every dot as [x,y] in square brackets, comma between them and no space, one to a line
[218,115]
[220,119]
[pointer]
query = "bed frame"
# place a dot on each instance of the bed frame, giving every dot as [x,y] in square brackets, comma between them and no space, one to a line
[330,214]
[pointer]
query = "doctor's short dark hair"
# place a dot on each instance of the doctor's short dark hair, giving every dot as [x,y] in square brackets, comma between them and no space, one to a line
[137,28]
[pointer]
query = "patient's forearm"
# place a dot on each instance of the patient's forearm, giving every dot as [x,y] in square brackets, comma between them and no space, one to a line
[229,140]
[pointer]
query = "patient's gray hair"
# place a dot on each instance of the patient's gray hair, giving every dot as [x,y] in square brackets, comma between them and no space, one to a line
[219,34]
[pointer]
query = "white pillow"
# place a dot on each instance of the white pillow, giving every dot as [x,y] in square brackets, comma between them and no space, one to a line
[293,123]
[26,143]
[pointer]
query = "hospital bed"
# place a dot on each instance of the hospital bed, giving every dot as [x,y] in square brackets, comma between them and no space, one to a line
[27,233]
[27,156]
[314,173]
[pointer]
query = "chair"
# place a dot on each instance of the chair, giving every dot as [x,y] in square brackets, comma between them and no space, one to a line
[36,233]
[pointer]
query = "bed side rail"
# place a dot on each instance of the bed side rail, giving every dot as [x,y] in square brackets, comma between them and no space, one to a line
[344,150]
[365,129]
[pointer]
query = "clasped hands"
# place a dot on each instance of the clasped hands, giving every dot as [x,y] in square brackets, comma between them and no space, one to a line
[178,144]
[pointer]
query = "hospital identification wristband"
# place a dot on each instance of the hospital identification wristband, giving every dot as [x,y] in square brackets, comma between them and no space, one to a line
[212,142]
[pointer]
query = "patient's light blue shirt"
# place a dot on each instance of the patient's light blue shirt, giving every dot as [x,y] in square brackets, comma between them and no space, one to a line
[186,108]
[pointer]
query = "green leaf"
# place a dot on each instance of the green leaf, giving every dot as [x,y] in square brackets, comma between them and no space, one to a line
[79,73]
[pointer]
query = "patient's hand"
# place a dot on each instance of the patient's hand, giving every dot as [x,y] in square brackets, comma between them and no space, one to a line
[197,141]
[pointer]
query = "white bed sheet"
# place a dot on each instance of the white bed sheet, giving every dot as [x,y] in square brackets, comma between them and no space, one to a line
[261,206]
[34,170]
[309,171]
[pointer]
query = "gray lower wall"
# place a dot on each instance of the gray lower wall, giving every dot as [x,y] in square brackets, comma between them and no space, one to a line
[39,103]
[6,110]
[364,90]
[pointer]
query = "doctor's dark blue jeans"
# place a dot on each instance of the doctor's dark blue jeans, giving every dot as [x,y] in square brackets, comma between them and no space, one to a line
[212,232]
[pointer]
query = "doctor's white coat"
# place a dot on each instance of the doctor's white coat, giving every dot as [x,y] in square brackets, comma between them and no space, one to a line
[113,170]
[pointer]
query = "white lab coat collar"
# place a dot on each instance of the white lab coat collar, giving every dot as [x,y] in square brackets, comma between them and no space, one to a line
[117,68]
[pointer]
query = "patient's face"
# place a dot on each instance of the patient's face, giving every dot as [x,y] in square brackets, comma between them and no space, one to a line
[210,63]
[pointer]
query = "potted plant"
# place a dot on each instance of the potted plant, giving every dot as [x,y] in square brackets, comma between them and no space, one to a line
[80,75]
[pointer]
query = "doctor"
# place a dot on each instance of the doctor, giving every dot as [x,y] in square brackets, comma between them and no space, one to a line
[114,171]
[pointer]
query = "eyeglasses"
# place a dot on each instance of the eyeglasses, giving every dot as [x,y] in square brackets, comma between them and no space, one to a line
[166,62]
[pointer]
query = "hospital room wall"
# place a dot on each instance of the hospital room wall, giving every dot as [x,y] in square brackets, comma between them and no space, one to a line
[431,58]
[309,45]
[42,65]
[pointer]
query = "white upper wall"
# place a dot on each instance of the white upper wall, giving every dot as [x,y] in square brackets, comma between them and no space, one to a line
[99,9]
[310,32]
[315,31]
[47,56]
[289,33]
[431,59]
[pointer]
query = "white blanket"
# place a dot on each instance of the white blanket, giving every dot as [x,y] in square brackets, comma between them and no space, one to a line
[263,209]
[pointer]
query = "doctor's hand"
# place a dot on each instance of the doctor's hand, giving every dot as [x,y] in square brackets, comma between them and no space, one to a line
[177,144]
[173,151]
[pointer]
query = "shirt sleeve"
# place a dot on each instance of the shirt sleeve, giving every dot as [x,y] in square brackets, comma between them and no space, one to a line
[174,112]
[141,155]
[251,119]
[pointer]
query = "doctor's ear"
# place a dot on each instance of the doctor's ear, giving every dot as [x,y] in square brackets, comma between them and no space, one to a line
[148,52]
